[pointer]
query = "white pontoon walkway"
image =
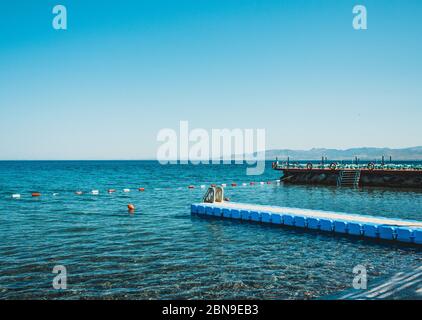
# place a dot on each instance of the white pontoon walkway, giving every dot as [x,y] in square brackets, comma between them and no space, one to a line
[405,231]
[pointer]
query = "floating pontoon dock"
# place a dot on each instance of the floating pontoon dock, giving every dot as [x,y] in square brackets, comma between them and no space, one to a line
[404,231]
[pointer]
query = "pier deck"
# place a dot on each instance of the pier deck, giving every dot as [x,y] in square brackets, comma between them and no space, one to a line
[405,231]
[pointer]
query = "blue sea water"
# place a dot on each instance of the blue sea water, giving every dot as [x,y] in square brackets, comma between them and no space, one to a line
[162,252]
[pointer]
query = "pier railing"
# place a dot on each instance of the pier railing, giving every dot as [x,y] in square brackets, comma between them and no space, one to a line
[341,166]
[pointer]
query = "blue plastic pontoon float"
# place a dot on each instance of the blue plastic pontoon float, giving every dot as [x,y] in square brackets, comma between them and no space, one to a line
[397,230]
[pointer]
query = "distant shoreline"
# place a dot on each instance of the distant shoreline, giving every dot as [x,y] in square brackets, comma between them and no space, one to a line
[364,154]
[292,160]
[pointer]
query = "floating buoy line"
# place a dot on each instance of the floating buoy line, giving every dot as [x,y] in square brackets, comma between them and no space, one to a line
[97,192]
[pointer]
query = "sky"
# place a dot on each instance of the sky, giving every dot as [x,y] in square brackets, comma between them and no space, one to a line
[123,70]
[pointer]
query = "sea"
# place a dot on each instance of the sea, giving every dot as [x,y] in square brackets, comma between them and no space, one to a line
[161,251]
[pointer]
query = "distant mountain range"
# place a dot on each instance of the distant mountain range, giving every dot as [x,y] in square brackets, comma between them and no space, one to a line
[413,153]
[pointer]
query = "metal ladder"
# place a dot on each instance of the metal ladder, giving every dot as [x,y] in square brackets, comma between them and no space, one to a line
[348,178]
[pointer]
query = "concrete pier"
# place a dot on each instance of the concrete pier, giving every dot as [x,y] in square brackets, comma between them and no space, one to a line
[373,178]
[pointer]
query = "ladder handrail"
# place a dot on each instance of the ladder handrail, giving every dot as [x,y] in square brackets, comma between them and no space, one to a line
[348,177]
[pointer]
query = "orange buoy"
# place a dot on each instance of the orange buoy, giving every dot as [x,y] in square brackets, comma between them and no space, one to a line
[111,190]
[131,207]
[213,185]
[234,184]
[268,182]
[226,199]
[36,194]
[191,187]
[252,183]
[141,189]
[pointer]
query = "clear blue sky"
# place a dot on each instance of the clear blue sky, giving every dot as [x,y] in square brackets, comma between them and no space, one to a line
[125,69]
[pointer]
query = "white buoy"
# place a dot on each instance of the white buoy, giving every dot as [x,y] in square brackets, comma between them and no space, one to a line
[202,186]
[243,184]
[55,194]
[95,192]
[16,196]
[126,190]
[224,185]
[262,182]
